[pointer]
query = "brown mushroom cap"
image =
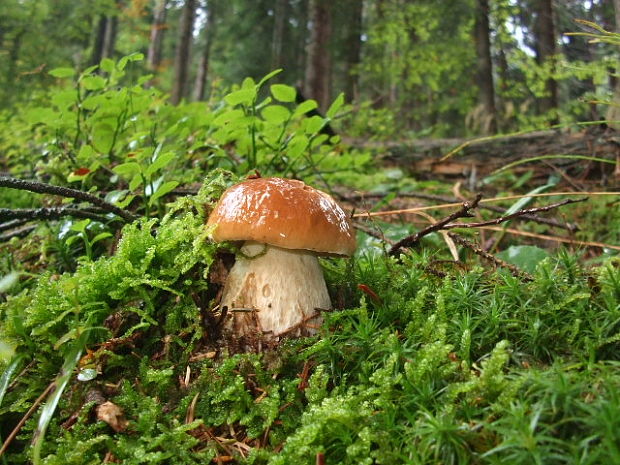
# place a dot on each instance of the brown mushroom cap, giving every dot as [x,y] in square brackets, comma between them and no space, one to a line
[283,212]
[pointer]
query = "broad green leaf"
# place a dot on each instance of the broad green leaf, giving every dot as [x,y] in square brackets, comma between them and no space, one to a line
[130,168]
[276,114]
[64,98]
[107,65]
[85,153]
[93,82]
[248,83]
[526,257]
[41,115]
[164,189]
[304,107]
[62,72]
[228,116]
[160,162]
[135,182]
[133,57]
[80,226]
[242,96]
[334,107]
[314,124]
[100,237]
[283,92]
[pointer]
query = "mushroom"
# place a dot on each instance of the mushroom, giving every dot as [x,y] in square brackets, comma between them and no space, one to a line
[276,283]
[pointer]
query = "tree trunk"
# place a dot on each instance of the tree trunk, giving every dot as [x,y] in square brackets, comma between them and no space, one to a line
[182,58]
[544,30]
[353,49]
[203,66]
[318,64]
[613,111]
[158,28]
[280,15]
[97,52]
[109,38]
[486,88]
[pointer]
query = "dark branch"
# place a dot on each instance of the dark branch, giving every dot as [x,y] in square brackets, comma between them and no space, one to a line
[42,188]
[487,256]
[413,239]
[502,219]
[47,213]
[571,227]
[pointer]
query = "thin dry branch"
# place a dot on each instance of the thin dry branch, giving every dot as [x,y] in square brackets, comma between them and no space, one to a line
[571,227]
[516,214]
[413,239]
[487,256]
[43,188]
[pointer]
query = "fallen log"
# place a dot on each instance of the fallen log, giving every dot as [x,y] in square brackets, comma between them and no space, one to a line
[459,157]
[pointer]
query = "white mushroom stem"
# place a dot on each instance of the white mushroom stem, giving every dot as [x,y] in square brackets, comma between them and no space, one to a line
[275,291]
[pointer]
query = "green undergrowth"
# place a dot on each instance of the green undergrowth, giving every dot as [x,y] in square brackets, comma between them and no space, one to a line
[414,367]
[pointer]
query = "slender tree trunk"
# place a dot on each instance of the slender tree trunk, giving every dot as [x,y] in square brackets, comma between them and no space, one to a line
[280,14]
[318,64]
[97,52]
[14,55]
[203,66]
[182,58]
[353,50]
[544,29]
[158,27]
[109,38]
[613,111]
[300,45]
[485,67]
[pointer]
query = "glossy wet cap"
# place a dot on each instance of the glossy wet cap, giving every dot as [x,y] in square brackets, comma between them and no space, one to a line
[285,213]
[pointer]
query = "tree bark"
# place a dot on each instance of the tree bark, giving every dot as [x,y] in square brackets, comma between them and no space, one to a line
[613,111]
[280,15]
[544,30]
[319,63]
[353,49]
[158,27]
[97,52]
[182,58]
[486,88]
[203,67]
[109,39]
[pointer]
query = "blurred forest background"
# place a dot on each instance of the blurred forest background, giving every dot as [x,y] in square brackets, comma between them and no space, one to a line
[422,68]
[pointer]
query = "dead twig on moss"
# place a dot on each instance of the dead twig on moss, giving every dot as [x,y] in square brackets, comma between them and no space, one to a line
[46,213]
[43,188]
[516,214]
[410,241]
[571,227]
[475,248]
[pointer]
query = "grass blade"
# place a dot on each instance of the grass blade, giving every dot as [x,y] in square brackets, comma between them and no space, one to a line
[71,360]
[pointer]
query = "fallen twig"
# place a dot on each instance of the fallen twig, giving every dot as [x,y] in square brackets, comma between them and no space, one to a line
[571,227]
[47,213]
[28,414]
[487,256]
[502,219]
[42,188]
[411,240]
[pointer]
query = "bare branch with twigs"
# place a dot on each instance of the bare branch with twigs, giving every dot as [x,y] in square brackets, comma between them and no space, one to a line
[43,188]
[487,256]
[518,213]
[409,241]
